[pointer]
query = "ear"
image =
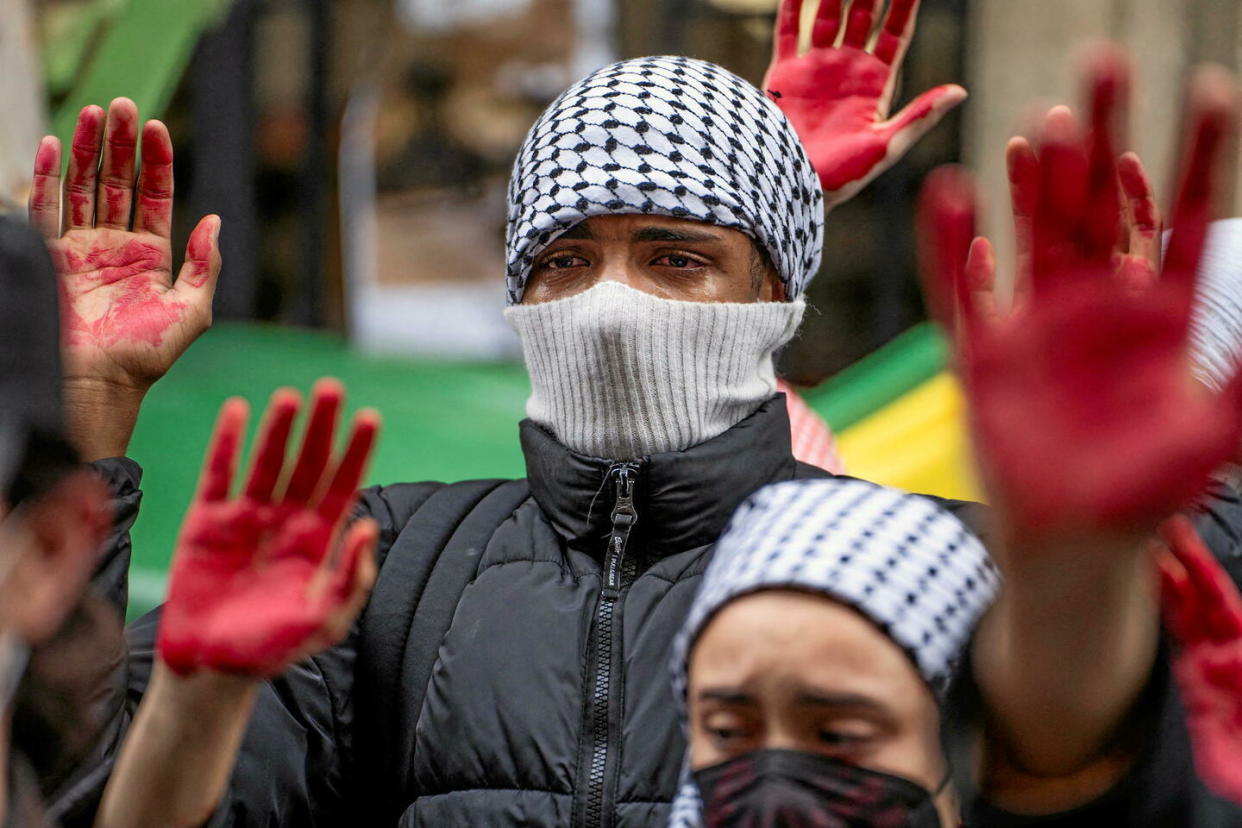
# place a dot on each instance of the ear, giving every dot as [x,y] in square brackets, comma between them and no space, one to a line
[772,289]
[59,536]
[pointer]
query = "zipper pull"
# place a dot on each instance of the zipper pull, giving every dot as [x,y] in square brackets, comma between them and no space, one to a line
[624,516]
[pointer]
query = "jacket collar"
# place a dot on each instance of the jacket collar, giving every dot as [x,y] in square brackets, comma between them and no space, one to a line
[683,498]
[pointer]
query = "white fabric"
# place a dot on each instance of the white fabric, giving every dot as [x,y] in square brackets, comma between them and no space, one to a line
[669,136]
[1216,325]
[618,373]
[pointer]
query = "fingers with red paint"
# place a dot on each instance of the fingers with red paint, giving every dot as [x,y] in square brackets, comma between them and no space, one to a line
[44,205]
[348,475]
[980,279]
[220,463]
[326,400]
[266,578]
[196,281]
[273,441]
[1056,383]
[1214,113]
[858,25]
[1109,84]
[1203,611]
[1200,601]
[80,178]
[1139,265]
[827,23]
[919,117]
[894,37]
[114,196]
[155,182]
[785,35]
[1022,165]
[838,97]
[946,218]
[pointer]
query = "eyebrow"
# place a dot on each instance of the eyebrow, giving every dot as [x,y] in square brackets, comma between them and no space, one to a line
[578,231]
[670,234]
[810,698]
[805,698]
[728,697]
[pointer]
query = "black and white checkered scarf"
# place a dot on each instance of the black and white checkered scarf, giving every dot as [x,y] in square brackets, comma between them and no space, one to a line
[668,136]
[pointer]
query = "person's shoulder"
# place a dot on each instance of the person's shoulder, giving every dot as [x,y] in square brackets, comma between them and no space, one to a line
[396,505]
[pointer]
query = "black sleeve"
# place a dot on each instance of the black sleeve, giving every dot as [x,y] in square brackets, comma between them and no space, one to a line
[1160,789]
[56,712]
[111,579]
[1217,516]
[295,763]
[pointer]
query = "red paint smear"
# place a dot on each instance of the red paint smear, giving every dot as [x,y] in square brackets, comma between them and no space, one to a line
[115,295]
[46,159]
[831,96]
[138,313]
[80,205]
[198,253]
[116,199]
[103,266]
[156,147]
[85,147]
[122,142]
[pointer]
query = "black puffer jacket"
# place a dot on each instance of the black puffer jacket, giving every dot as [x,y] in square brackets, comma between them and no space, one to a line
[511,667]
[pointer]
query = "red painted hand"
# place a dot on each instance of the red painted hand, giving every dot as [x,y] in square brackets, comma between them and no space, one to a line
[264,579]
[838,97]
[1136,254]
[125,321]
[1084,412]
[1203,611]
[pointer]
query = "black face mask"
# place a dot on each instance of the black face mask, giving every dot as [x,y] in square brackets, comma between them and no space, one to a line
[793,789]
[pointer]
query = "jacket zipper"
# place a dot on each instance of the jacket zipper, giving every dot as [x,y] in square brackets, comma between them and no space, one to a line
[618,571]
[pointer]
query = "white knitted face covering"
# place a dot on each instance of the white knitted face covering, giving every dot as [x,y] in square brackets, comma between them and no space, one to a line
[618,373]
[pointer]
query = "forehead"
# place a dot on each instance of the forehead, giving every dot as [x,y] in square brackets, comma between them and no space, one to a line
[771,641]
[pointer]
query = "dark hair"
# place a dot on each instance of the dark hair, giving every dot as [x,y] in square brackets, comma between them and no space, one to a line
[32,462]
[761,266]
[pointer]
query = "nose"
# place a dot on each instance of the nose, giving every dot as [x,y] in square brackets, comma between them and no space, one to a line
[620,269]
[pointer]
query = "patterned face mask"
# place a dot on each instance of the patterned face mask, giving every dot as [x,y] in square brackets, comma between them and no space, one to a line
[794,789]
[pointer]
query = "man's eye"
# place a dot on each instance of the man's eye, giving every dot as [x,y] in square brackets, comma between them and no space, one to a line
[678,261]
[565,261]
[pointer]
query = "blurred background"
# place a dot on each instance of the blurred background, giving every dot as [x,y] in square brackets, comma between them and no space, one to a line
[358,152]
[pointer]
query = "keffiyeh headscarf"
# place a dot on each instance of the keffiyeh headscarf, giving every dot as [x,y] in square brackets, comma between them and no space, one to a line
[911,568]
[668,136]
[1216,324]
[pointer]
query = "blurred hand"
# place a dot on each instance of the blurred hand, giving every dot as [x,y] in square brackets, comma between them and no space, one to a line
[125,321]
[838,97]
[1136,252]
[1084,412]
[265,579]
[1203,611]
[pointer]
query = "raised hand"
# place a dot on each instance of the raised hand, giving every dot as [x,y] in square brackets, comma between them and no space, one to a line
[263,579]
[125,319]
[1136,255]
[838,96]
[1084,412]
[1203,611]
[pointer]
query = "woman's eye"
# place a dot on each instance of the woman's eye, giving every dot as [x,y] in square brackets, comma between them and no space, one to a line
[838,738]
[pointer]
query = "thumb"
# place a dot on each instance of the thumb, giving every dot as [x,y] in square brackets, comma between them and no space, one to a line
[919,117]
[196,281]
